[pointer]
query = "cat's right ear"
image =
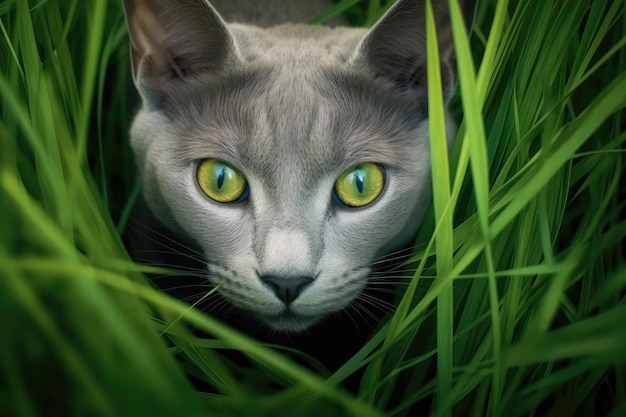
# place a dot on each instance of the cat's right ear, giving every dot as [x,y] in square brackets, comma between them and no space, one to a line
[395,47]
[173,40]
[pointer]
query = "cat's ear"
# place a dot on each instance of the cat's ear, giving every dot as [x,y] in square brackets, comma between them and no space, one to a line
[175,39]
[395,48]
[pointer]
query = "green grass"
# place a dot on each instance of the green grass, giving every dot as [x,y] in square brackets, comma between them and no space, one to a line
[515,295]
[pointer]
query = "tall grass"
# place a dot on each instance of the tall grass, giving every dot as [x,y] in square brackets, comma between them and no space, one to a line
[515,297]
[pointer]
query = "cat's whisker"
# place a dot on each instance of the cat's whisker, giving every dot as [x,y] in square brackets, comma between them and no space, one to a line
[396,252]
[131,224]
[391,274]
[399,288]
[353,307]
[188,251]
[181,274]
[199,302]
[205,300]
[221,307]
[171,267]
[391,257]
[367,313]
[408,274]
[398,279]
[165,252]
[377,289]
[191,286]
[383,305]
[142,256]
[364,312]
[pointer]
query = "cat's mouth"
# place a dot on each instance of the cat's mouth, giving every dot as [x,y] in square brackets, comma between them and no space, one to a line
[289,321]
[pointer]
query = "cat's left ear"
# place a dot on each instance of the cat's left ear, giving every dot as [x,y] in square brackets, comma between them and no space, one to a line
[395,48]
[172,40]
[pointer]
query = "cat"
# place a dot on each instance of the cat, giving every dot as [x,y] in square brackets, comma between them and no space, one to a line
[294,156]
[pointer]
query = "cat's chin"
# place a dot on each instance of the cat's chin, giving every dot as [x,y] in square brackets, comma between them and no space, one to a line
[289,322]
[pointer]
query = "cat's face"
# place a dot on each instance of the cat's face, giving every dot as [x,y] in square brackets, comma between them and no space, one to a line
[295,157]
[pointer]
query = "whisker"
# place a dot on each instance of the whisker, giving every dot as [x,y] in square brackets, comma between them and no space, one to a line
[388,277]
[180,274]
[390,260]
[363,311]
[408,275]
[400,280]
[347,312]
[220,307]
[389,291]
[193,255]
[188,286]
[164,252]
[173,251]
[376,302]
[134,220]
[395,253]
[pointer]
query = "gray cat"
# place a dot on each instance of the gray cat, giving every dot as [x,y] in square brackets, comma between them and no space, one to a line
[294,155]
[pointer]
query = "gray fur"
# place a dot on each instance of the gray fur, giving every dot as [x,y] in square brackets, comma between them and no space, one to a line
[291,106]
[267,13]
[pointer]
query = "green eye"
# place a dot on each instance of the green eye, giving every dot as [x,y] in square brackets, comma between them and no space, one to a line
[360,185]
[222,182]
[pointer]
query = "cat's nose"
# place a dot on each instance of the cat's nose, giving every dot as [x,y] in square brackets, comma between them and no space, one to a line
[286,289]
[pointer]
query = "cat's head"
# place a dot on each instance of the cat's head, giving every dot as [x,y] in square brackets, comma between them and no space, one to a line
[294,156]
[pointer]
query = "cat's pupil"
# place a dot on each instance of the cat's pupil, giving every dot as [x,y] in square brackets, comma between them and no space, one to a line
[220,178]
[359,180]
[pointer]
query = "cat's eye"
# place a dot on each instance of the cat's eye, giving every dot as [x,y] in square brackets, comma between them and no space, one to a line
[221,182]
[359,185]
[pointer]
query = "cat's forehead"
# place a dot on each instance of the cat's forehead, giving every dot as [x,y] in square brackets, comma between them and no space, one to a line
[327,120]
[284,105]
[307,46]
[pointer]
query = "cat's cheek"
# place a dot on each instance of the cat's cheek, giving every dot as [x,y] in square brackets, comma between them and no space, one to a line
[358,235]
[221,230]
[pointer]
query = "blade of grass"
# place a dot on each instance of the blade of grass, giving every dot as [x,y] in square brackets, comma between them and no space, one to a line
[443,217]
[472,105]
